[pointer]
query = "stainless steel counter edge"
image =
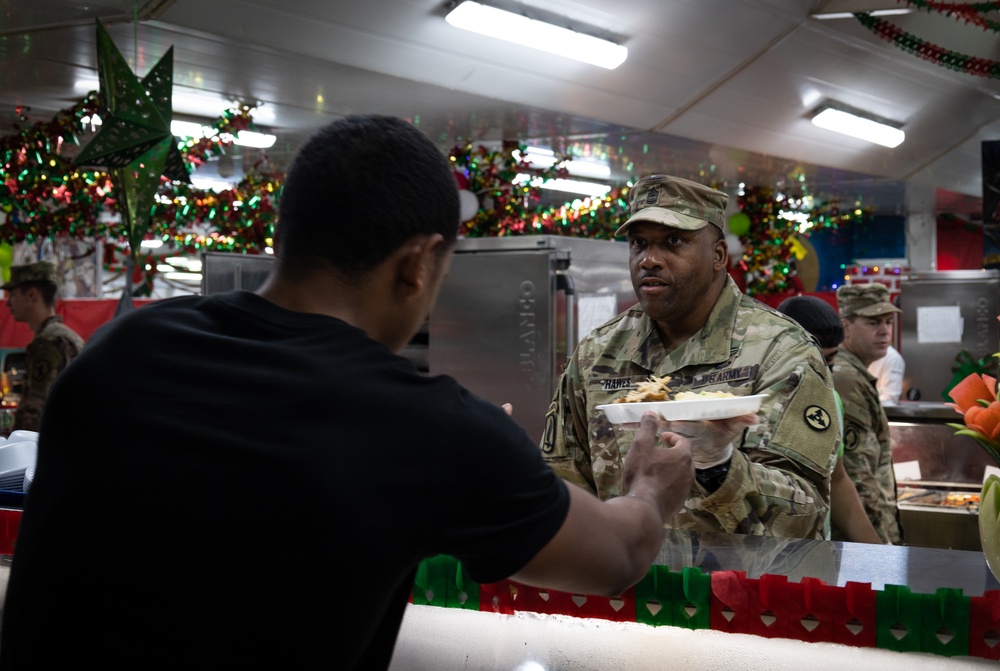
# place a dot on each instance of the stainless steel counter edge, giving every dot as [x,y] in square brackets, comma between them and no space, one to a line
[921,410]
[922,570]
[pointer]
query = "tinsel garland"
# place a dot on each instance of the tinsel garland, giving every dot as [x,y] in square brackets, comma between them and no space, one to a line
[504,207]
[596,218]
[766,252]
[953,60]
[770,243]
[197,151]
[43,196]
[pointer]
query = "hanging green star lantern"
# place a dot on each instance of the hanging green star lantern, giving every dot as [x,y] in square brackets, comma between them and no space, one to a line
[134,143]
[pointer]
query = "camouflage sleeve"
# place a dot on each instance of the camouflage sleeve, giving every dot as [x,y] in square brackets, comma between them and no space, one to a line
[862,449]
[44,360]
[778,482]
[859,443]
[564,442]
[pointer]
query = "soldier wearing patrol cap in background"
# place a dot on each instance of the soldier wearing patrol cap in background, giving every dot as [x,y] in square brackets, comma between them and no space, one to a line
[867,315]
[764,475]
[31,298]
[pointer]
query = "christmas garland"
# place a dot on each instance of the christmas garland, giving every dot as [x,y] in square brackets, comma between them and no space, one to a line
[42,195]
[953,60]
[970,12]
[503,206]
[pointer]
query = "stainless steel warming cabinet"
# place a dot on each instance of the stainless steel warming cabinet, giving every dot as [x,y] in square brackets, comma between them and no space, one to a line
[948,317]
[511,309]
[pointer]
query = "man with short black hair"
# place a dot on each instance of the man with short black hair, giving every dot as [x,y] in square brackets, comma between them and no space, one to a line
[251,479]
[31,298]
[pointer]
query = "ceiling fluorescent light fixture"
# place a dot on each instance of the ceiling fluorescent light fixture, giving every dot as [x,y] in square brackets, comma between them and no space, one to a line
[592,189]
[519,29]
[842,119]
[249,138]
[245,138]
[823,16]
[540,159]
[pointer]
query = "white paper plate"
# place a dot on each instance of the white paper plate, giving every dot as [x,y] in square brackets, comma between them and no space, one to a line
[702,408]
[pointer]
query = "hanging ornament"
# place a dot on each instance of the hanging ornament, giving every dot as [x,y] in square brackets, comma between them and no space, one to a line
[137,114]
[135,141]
[468,205]
[735,248]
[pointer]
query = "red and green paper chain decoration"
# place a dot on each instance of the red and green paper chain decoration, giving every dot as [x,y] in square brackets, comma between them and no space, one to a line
[953,60]
[970,12]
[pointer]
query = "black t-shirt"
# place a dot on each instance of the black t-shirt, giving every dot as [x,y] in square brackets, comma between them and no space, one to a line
[224,482]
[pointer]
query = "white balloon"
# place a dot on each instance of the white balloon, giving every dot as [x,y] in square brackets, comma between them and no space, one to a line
[735,247]
[468,205]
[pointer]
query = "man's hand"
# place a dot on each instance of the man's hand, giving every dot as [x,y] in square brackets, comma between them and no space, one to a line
[711,441]
[658,466]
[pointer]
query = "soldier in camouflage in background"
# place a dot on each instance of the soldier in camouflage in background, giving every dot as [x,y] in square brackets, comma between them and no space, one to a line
[31,298]
[769,475]
[868,316]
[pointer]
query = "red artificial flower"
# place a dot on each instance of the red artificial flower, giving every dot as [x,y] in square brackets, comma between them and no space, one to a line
[984,420]
[972,392]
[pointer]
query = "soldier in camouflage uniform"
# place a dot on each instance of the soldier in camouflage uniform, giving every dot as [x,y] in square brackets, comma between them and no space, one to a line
[868,318]
[31,298]
[695,325]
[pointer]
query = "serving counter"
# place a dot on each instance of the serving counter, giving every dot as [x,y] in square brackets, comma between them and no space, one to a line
[716,601]
[750,583]
[755,584]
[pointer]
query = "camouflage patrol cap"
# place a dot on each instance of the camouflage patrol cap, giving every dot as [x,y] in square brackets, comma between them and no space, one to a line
[676,202]
[865,300]
[41,271]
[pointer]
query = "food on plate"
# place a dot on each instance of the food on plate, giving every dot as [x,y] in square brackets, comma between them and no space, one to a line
[699,395]
[656,389]
[653,389]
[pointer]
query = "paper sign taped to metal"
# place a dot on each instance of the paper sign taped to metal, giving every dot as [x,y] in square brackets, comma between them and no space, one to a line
[939,324]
